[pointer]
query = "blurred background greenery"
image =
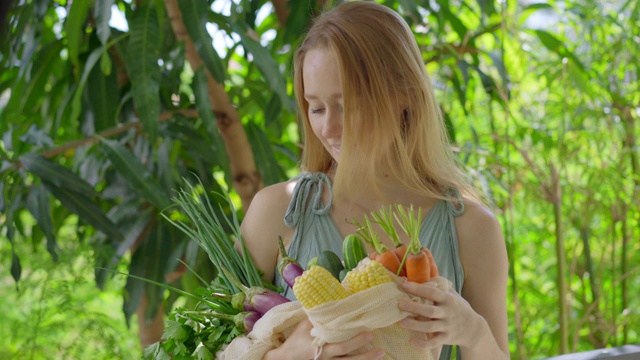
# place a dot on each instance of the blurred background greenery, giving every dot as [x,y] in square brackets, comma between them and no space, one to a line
[106,106]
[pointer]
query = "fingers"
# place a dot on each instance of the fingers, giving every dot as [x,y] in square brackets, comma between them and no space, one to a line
[426,290]
[425,310]
[340,349]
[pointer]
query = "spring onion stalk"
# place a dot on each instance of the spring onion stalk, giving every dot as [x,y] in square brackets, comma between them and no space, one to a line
[206,228]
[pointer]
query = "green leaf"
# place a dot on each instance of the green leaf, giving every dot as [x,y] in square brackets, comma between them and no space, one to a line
[202,353]
[194,14]
[102,14]
[203,104]
[74,27]
[16,268]
[266,63]
[266,162]
[551,42]
[56,174]
[136,174]
[142,54]
[87,210]
[530,9]
[155,352]
[487,7]
[43,64]
[104,95]
[39,205]
[76,104]
[458,26]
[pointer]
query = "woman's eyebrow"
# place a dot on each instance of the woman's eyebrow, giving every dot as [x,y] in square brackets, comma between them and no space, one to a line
[315,97]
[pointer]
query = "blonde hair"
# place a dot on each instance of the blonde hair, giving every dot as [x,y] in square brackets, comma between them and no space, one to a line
[392,123]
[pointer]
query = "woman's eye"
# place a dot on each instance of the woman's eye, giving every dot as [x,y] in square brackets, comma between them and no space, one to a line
[317,111]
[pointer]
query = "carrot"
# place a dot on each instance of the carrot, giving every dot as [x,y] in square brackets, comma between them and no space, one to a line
[417,267]
[400,251]
[389,260]
[432,262]
[415,261]
[381,253]
[384,218]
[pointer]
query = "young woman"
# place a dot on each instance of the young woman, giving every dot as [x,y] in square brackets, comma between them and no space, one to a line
[373,136]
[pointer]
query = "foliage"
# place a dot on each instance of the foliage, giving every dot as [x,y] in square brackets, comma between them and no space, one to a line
[56,311]
[541,100]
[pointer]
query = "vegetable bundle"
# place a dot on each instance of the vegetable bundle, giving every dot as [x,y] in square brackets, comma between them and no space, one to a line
[232,303]
[343,299]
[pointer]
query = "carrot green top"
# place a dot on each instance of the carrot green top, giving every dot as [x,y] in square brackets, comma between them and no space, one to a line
[316,230]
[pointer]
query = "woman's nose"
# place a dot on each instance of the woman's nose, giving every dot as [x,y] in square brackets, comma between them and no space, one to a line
[333,125]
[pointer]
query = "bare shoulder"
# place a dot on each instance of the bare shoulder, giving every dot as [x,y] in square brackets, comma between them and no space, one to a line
[480,238]
[263,223]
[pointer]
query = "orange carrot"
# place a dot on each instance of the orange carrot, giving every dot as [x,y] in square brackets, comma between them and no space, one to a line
[400,251]
[389,260]
[416,261]
[417,267]
[432,263]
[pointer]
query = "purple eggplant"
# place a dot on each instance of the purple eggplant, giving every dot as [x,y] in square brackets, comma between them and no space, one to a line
[244,320]
[288,267]
[257,298]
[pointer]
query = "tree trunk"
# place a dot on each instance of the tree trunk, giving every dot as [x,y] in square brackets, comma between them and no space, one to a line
[246,179]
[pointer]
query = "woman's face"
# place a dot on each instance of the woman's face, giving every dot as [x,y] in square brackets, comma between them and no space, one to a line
[323,93]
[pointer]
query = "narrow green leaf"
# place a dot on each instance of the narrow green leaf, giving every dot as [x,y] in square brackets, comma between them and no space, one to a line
[551,42]
[265,159]
[458,26]
[16,268]
[487,7]
[142,54]
[203,104]
[530,9]
[102,14]
[76,103]
[298,20]
[86,209]
[104,95]
[39,205]
[74,28]
[266,63]
[195,17]
[56,174]
[43,64]
[136,174]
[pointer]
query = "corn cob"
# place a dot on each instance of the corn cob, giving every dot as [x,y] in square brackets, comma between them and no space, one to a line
[369,273]
[317,286]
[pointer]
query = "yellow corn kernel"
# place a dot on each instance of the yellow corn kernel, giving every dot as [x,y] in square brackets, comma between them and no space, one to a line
[368,274]
[317,286]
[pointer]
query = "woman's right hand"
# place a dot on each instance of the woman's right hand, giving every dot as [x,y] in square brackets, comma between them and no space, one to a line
[299,345]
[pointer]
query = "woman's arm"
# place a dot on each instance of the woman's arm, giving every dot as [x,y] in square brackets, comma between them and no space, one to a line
[484,260]
[477,320]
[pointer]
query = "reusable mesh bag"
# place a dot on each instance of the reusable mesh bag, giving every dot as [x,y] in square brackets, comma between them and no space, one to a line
[271,330]
[374,310]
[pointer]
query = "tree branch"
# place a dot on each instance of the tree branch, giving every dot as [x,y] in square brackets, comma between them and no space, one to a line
[113,132]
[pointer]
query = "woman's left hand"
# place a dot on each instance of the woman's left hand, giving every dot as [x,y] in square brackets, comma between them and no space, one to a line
[447,320]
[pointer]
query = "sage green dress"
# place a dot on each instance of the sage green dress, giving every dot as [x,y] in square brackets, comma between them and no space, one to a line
[316,231]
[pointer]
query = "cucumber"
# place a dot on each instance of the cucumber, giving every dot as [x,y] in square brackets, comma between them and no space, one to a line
[330,261]
[312,261]
[353,251]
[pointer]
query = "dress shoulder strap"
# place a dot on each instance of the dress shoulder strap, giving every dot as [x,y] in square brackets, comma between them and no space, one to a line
[307,197]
